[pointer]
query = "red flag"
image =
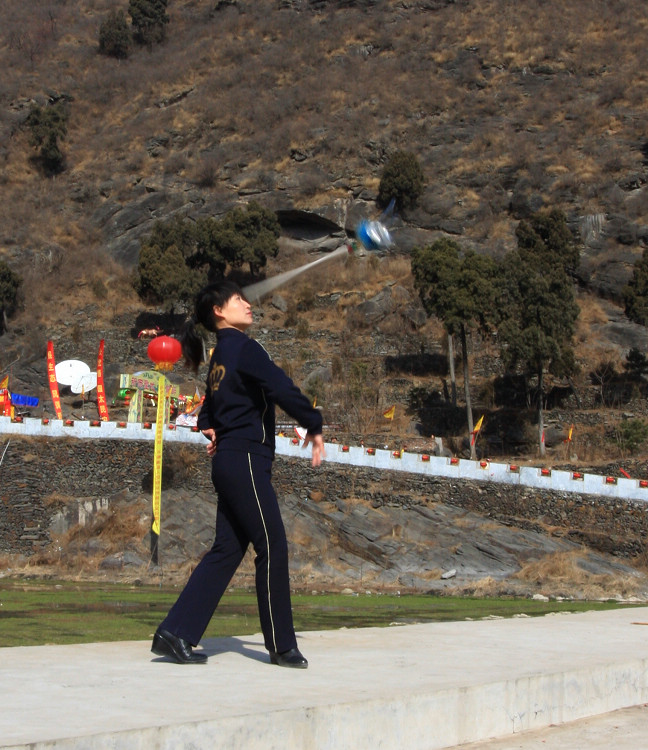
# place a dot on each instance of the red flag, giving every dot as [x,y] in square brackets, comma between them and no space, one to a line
[51,375]
[476,429]
[102,406]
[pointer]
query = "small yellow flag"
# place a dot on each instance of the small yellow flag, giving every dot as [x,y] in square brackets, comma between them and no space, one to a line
[389,414]
[4,383]
[477,427]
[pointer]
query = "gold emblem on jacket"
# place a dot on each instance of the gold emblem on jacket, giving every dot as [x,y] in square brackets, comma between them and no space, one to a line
[216,375]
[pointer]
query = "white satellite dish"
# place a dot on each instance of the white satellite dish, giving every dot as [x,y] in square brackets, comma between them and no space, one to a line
[85,383]
[69,371]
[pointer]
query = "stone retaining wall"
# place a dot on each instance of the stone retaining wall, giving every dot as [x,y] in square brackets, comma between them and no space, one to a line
[38,474]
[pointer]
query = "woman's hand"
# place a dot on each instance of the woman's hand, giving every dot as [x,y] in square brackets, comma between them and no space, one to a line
[210,434]
[317,441]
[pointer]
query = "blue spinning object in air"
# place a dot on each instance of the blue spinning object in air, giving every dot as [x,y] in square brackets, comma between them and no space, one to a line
[374,235]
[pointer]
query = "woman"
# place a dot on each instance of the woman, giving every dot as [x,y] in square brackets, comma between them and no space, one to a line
[237,417]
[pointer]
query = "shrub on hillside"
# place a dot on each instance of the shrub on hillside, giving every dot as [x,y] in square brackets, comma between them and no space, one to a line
[48,125]
[636,364]
[9,285]
[402,180]
[149,21]
[635,294]
[630,434]
[164,277]
[115,37]
[180,255]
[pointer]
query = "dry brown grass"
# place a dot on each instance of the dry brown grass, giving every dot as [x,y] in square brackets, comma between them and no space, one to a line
[184,461]
[265,79]
[113,528]
[557,567]
[562,571]
[83,547]
[55,500]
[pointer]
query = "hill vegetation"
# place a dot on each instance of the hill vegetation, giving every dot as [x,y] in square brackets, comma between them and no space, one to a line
[298,105]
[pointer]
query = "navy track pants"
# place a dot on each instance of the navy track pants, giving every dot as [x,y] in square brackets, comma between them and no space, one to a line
[248,512]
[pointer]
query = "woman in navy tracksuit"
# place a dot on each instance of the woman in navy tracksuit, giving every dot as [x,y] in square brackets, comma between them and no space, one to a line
[237,417]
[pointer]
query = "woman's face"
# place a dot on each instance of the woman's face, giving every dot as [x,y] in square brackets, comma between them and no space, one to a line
[235,313]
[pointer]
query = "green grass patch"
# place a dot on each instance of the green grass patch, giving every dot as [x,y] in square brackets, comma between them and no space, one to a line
[38,612]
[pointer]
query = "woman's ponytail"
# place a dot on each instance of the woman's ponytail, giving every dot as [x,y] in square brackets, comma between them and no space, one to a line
[211,296]
[193,345]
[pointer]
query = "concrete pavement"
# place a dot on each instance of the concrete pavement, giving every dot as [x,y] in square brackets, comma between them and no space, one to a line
[413,687]
[625,729]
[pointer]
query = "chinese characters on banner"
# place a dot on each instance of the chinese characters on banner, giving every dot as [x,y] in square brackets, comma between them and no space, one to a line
[51,376]
[102,406]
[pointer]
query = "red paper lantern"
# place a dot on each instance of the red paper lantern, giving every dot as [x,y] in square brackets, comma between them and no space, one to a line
[165,351]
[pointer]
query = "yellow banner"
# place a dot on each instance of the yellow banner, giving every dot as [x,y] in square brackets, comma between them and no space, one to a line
[157,458]
[136,406]
[5,403]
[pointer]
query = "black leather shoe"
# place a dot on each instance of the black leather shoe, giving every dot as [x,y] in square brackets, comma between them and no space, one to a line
[177,649]
[292,658]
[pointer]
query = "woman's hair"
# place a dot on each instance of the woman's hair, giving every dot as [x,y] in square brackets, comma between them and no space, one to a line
[213,295]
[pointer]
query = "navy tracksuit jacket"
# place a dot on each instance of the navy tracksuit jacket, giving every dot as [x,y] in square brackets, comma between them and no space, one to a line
[243,386]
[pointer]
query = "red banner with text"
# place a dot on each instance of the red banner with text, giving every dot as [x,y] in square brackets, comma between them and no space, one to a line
[51,376]
[102,405]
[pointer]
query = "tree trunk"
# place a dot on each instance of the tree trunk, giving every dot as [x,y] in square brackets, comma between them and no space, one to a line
[540,411]
[466,377]
[451,368]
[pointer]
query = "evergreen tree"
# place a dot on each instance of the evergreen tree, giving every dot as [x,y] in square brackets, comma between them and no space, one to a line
[149,20]
[547,237]
[177,231]
[459,289]
[115,36]
[10,284]
[168,269]
[250,236]
[48,125]
[210,247]
[636,364]
[402,180]
[635,294]
[165,278]
[180,255]
[537,305]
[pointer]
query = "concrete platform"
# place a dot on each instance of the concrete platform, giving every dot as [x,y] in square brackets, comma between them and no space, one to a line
[414,687]
[625,729]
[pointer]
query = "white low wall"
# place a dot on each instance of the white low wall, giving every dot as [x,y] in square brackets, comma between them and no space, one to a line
[415,463]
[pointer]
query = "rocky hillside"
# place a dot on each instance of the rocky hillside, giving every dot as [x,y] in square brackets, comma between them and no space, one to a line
[298,105]
[509,108]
